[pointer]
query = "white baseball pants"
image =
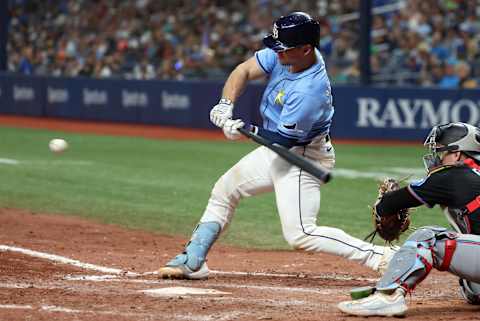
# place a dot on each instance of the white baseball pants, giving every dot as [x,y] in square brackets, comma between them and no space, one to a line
[297,197]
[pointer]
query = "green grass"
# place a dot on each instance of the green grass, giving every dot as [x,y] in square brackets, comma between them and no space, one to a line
[163,185]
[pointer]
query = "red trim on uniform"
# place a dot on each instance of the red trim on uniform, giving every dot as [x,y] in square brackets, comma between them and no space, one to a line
[473,205]
[471,163]
[428,268]
[450,246]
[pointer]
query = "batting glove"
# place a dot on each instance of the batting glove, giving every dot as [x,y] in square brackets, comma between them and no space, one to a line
[221,112]
[230,128]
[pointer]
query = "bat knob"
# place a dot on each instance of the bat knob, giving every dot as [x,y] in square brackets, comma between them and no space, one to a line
[327,178]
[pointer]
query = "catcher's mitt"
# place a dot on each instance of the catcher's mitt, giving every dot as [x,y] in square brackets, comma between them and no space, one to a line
[389,227]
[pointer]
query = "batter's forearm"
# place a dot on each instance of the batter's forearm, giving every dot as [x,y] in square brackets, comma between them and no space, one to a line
[235,84]
[240,76]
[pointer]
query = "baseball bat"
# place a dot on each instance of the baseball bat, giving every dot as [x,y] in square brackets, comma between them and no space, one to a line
[294,159]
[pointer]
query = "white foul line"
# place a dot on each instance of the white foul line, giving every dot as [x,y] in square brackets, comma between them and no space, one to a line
[15,306]
[294,275]
[88,266]
[65,260]
[8,161]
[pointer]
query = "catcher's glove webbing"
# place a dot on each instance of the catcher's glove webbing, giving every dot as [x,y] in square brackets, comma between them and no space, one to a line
[389,227]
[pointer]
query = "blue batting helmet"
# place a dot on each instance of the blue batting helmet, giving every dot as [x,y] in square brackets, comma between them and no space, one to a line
[296,29]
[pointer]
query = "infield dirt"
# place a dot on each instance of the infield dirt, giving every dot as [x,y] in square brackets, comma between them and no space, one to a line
[40,289]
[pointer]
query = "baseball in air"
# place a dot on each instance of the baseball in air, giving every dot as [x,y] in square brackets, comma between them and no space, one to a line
[58,145]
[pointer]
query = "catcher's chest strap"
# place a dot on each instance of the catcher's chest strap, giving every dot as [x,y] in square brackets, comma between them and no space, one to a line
[473,205]
[450,246]
[471,163]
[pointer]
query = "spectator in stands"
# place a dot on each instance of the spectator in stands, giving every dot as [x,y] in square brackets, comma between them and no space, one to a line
[450,79]
[25,65]
[463,72]
[205,39]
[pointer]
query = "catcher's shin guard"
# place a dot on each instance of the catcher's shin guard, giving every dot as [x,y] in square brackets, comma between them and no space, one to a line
[412,263]
[193,258]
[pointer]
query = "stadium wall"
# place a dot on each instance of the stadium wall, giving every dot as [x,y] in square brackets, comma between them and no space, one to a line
[361,112]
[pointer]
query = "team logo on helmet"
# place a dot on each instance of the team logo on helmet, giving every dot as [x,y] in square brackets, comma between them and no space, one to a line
[275,31]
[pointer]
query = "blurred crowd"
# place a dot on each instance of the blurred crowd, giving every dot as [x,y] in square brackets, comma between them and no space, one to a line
[414,42]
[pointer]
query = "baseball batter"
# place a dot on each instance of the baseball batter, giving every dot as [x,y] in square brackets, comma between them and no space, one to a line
[297,113]
[453,182]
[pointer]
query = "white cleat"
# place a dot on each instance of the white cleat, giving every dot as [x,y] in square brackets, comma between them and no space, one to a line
[378,304]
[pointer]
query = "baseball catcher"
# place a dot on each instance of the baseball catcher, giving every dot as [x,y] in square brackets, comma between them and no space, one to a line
[453,183]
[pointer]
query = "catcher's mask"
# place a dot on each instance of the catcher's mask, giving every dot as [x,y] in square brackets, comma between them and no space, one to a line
[448,138]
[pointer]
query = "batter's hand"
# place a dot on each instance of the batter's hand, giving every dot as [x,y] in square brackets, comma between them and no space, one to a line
[230,128]
[221,112]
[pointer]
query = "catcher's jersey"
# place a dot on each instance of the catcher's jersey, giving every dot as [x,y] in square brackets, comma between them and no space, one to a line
[452,187]
[296,105]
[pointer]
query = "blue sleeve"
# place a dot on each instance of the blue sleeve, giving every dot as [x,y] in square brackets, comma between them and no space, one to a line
[271,136]
[266,59]
[276,138]
[299,113]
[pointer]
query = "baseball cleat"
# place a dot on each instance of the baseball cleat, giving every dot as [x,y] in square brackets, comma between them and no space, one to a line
[183,272]
[378,304]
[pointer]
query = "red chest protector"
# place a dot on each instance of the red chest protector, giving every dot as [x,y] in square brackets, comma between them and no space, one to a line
[473,205]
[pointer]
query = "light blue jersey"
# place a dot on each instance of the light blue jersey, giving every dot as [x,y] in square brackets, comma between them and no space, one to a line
[296,105]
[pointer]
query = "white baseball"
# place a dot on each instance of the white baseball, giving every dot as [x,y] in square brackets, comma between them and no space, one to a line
[58,145]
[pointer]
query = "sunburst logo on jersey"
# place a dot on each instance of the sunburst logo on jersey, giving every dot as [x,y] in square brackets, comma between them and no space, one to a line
[279,97]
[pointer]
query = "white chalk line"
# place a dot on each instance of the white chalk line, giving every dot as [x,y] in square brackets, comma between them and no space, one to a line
[114,271]
[181,291]
[323,290]
[9,161]
[66,162]
[16,306]
[335,277]
[394,172]
[118,272]
[65,260]
[15,285]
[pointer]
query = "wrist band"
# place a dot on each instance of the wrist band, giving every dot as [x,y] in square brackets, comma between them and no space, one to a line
[225,101]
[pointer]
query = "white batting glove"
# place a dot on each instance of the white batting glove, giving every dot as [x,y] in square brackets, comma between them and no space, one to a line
[221,112]
[230,128]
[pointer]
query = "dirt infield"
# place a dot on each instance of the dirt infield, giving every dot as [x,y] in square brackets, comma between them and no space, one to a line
[274,285]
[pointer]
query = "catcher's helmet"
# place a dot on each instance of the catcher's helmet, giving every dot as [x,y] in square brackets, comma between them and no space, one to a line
[296,29]
[453,137]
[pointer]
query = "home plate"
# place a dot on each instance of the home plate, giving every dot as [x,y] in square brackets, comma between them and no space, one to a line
[180,290]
